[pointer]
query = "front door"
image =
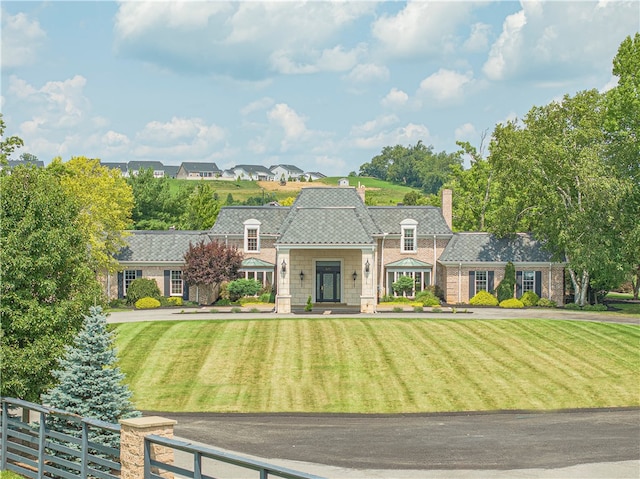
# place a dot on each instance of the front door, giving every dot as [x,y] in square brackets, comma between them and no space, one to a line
[328,281]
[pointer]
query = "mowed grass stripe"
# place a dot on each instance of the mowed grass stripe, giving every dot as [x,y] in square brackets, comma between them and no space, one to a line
[379,366]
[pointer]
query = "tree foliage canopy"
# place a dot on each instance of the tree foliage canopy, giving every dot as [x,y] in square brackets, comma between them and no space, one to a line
[105,201]
[47,283]
[7,145]
[211,263]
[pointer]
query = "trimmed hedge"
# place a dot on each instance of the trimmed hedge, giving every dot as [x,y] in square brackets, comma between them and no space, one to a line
[142,288]
[546,303]
[484,298]
[147,303]
[530,298]
[512,303]
[427,298]
[174,301]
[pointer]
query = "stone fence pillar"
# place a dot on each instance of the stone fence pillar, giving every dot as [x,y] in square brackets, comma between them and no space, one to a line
[132,434]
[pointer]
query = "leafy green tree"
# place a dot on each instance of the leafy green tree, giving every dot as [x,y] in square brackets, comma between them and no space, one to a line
[506,287]
[243,287]
[202,208]
[142,288]
[7,145]
[106,202]
[47,282]
[622,125]
[553,181]
[155,206]
[404,285]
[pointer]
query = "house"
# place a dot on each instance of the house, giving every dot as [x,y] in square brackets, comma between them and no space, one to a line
[313,175]
[250,172]
[14,163]
[198,171]
[286,172]
[120,166]
[133,167]
[171,171]
[333,248]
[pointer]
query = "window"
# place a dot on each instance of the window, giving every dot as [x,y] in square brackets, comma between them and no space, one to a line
[421,278]
[252,235]
[528,281]
[481,281]
[129,276]
[176,283]
[263,277]
[408,242]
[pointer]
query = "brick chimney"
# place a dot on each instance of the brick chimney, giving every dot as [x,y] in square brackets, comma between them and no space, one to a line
[447,207]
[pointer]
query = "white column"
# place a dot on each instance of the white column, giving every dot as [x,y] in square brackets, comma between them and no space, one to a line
[368,283]
[283,272]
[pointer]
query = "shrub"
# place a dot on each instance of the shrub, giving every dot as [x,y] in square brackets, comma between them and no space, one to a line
[594,307]
[174,301]
[265,298]
[404,285]
[418,309]
[572,306]
[437,291]
[309,305]
[254,310]
[511,303]
[436,310]
[243,287]
[506,286]
[223,302]
[530,298]
[546,303]
[117,303]
[484,298]
[427,298]
[398,309]
[147,303]
[236,310]
[142,288]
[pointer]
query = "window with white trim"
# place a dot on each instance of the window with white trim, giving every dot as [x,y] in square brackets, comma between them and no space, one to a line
[408,241]
[482,282]
[176,283]
[129,276]
[528,281]
[252,236]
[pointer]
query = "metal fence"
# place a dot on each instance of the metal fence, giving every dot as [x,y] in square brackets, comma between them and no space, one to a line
[35,445]
[154,468]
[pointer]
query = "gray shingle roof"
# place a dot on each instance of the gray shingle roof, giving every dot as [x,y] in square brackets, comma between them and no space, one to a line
[290,168]
[231,218]
[328,216]
[159,246]
[429,218]
[138,165]
[197,166]
[480,247]
[254,169]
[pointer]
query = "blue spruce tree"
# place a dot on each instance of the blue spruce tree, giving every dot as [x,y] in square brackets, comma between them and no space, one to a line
[90,383]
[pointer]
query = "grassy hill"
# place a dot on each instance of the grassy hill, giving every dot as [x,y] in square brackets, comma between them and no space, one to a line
[379,366]
[378,192]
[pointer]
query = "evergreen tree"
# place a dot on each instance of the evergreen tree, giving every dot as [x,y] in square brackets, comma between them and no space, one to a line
[506,287]
[90,383]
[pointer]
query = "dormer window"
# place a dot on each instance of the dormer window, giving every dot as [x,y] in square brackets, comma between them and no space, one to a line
[409,240]
[252,236]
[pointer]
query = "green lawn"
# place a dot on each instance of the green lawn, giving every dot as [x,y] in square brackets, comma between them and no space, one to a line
[379,366]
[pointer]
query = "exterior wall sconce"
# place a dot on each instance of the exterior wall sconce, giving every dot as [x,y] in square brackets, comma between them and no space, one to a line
[367,267]
[355,276]
[283,267]
[301,276]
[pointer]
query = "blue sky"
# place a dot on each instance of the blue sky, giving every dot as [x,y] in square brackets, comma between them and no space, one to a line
[324,86]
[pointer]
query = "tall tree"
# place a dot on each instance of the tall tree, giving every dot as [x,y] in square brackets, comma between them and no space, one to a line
[202,208]
[106,202]
[622,129]
[553,181]
[47,282]
[208,264]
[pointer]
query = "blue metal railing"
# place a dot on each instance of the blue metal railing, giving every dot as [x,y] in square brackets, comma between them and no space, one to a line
[153,467]
[37,450]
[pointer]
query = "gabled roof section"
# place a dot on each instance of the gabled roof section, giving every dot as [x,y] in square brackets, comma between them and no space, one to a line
[231,219]
[408,263]
[115,165]
[14,163]
[485,247]
[159,246]
[197,166]
[254,169]
[289,168]
[138,165]
[429,218]
[328,216]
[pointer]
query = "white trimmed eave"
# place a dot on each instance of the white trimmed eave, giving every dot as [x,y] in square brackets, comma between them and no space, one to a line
[325,246]
[484,264]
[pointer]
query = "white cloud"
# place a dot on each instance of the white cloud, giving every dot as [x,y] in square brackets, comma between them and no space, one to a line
[21,39]
[395,99]
[258,105]
[465,132]
[478,38]
[421,28]
[556,40]
[446,85]
[368,73]
[406,135]
[180,134]
[291,123]
[243,40]
[373,125]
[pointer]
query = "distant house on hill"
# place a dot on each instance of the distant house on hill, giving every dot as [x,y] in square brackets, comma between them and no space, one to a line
[122,167]
[198,171]
[288,172]
[13,163]
[134,168]
[313,175]
[171,171]
[250,172]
